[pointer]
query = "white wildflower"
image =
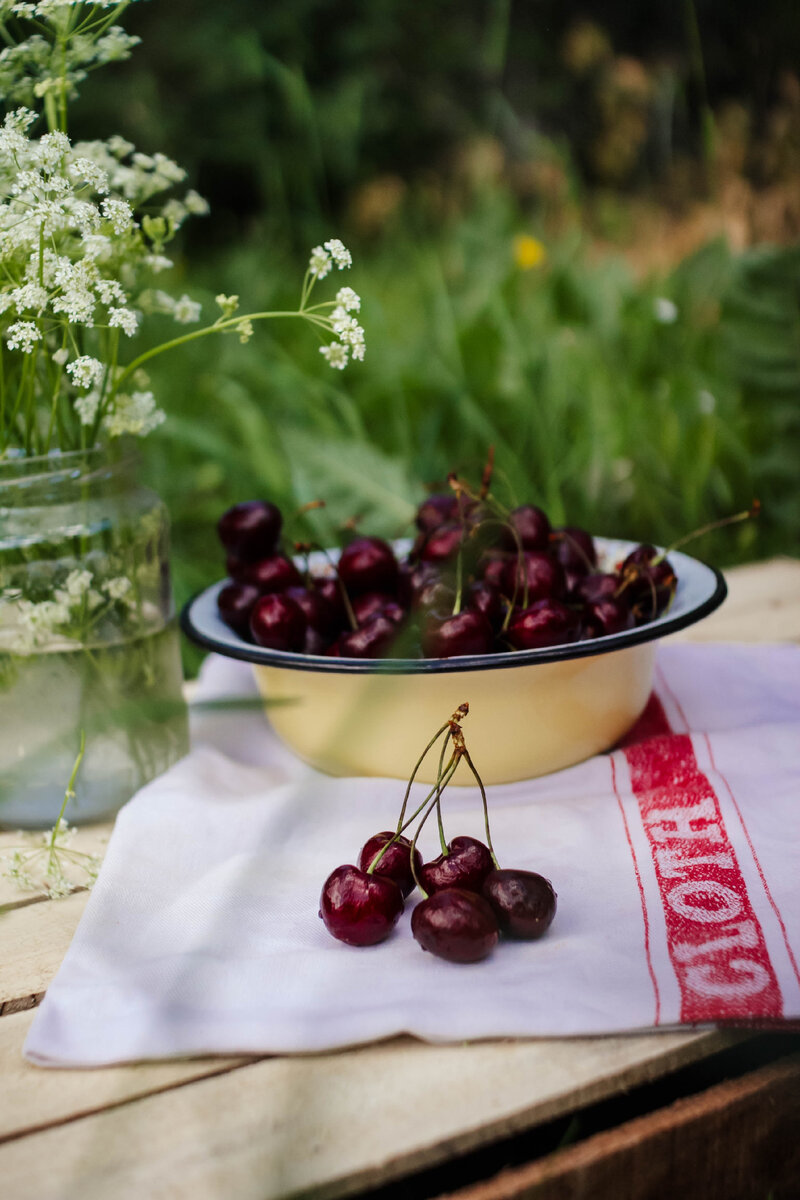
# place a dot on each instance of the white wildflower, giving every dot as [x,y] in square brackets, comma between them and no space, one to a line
[186,310]
[228,304]
[157,263]
[339,253]
[195,204]
[136,414]
[86,407]
[29,295]
[110,291]
[117,589]
[320,263]
[336,355]
[119,213]
[665,311]
[91,173]
[118,146]
[124,319]
[349,300]
[23,335]
[85,371]
[61,356]
[94,599]
[78,583]
[51,149]
[245,331]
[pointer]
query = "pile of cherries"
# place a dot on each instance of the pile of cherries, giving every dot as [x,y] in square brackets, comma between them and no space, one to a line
[468,899]
[478,580]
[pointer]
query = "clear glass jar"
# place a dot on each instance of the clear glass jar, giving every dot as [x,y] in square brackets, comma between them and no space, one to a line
[88,637]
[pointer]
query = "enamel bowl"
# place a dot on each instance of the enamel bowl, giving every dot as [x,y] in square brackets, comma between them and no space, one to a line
[531,711]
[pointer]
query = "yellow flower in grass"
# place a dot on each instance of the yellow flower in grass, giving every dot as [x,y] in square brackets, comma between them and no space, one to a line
[529,252]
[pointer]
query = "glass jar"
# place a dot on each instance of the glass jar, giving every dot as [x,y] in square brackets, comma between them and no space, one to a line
[89,646]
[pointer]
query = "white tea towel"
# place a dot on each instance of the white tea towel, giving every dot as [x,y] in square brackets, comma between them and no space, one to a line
[676,860]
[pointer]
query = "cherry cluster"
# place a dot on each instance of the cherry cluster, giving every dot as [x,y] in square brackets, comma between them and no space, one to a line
[468,899]
[479,579]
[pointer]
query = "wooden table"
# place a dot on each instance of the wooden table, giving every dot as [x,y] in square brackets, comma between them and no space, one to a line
[338,1124]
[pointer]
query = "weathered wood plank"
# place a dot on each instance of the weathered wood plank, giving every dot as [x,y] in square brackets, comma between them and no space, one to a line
[737,1139]
[763,605]
[33,1099]
[334,1123]
[34,940]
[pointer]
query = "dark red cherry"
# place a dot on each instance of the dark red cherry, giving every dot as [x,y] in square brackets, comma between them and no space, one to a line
[544,575]
[250,530]
[607,616]
[371,604]
[437,510]
[456,925]
[235,603]
[277,623]
[331,592]
[274,574]
[414,579]
[492,567]
[574,548]
[543,623]
[358,908]
[368,564]
[466,865]
[648,581]
[532,527]
[640,556]
[595,587]
[315,642]
[443,543]
[467,633]
[523,902]
[395,863]
[236,567]
[318,612]
[484,598]
[370,640]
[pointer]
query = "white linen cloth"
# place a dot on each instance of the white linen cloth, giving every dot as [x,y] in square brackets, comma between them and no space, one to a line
[676,863]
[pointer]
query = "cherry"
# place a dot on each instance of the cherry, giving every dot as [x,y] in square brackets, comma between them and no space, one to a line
[278,623]
[415,579]
[456,925]
[466,865]
[235,603]
[395,863]
[319,613]
[368,564]
[532,527]
[483,598]
[331,592]
[358,908]
[544,575]
[544,623]
[467,633]
[371,604]
[436,510]
[607,616]
[368,641]
[493,566]
[649,581]
[250,530]
[273,574]
[523,902]
[574,549]
[595,587]
[315,642]
[443,543]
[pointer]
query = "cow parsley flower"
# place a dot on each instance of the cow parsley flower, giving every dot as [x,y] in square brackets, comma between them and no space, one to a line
[85,371]
[320,263]
[336,354]
[124,319]
[186,310]
[339,253]
[23,335]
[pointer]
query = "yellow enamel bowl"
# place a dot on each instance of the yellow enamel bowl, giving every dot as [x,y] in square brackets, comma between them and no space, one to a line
[531,711]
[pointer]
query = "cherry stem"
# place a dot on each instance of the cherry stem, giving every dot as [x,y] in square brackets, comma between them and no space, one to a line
[752,512]
[471,766]
[442,841]
[348,608]
[457,716]
[561,535]
[441,784]
[488,471]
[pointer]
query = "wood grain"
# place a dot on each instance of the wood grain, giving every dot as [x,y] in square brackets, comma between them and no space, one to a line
[91,839]
[334,1123]
[34,940]
[735,1141]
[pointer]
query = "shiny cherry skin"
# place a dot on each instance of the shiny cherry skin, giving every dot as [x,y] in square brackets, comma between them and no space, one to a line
[370,640]
[414,579]
[574,548]
[483,598]
[330,589]
[596,586]
[649,582]
[235,603]
[436,511]
[371,604]
[523,902]
[273,574]
[493,566]
[318,612]
[315,642]
[544,575]
[368,564]
[443,543]
[277,623]
[250,530]
[543,623]
[607,616]
[466,865]
[395,863]
[456,925]
[469,632]
[532,527]
[358,908]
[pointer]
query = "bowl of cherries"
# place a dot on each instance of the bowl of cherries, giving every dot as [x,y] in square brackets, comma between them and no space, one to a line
[552,632]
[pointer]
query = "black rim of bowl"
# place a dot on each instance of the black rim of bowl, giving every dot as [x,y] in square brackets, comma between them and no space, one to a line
[293,661]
